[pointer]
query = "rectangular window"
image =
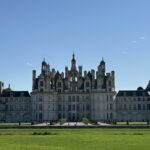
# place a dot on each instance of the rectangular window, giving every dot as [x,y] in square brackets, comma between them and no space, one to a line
[69,98]
[134,106]
[77,98]
[148,106]
[41,83]
[74,107]
[59,107]
[110,106]
[87,84]
[125,107]
[87,90]
[59,84]
[40,107]
[69,107]
[87,107]
[139,106]
[73,98]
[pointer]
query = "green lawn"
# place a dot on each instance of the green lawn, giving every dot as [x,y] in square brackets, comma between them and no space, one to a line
[16,124]
[132,123]
[75,139]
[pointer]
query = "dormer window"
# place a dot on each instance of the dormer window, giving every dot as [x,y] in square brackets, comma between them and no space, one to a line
[41,83]
[87,84]
[59,84]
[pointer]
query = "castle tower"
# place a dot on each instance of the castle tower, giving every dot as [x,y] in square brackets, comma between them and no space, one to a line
[73,63]
[44,67]
[101,67]
[33,79]
[101,74]
[1,87]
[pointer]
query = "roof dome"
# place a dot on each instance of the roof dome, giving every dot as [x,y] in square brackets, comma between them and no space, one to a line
[44,62]
[140,88]
[102,62]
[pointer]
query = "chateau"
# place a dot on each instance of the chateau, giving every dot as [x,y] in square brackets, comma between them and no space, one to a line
[73,95]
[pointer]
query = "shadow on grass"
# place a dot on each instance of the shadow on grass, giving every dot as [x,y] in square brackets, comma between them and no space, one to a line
[44,133]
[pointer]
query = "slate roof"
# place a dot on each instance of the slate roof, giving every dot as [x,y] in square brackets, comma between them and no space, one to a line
[133,93]
[15,94]
[148,87]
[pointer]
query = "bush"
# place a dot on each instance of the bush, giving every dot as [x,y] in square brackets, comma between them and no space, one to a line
[62,121]
[85,120]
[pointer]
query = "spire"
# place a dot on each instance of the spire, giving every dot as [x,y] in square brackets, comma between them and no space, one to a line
[9,86]
[73,62]
[102,62]
[73,56]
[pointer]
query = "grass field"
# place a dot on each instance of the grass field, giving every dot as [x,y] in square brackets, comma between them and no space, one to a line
[132,123]
[75,139]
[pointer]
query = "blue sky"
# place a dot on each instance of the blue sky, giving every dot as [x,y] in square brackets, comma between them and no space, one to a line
[118,30]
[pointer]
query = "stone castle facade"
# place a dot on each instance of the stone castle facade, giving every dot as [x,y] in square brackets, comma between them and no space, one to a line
[73,95]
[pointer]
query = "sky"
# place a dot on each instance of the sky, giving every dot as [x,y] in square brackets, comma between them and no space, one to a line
[117,30]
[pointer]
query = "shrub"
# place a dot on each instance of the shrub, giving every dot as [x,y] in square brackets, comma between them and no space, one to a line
[62,121]
[85,120]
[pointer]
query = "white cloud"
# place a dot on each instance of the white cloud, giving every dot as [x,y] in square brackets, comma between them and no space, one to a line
[29,64]
[142,38]
[134,42]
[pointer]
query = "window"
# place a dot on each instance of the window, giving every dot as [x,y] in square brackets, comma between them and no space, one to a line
[59,116]
[63,107]
[74,107]
[59,107]
[134,106]
[40,117]
[87,107]
[148,106]
[69,107]
[87,90]
[109,83]
[59,91]
[40,107]
[41,90]
[125,107]
[73,98]
[110,106]
[59,98]
[77,98]
[59,84]
[143,106]
[41,83]
[87,84]
[139,106]
[69,98]
[40,99]
[111,116]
